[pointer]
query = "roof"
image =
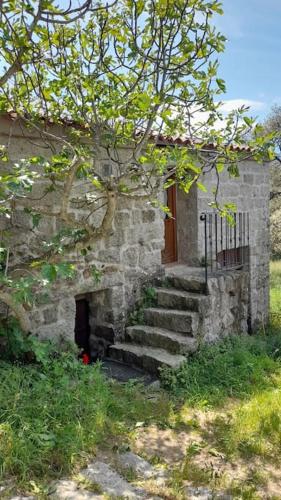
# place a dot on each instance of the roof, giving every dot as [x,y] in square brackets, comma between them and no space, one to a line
[160,139]
[186,141]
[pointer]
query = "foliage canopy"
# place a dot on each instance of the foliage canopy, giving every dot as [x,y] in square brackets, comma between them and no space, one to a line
[96,86]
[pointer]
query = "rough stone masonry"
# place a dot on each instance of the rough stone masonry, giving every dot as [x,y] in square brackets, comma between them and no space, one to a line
[131,257]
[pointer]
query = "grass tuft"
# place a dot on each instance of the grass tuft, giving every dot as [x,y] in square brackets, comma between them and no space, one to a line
[235,367]
[53,417]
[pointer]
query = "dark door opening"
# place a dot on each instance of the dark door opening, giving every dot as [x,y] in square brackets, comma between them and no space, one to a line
[169,254]
[82,324]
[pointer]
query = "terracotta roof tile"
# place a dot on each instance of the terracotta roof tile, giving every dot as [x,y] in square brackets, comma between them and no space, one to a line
[160,139]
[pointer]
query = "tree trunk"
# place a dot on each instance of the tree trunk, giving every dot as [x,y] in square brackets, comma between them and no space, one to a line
[18,311]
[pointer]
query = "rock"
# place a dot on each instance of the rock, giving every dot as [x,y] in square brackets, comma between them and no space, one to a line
[110,481]
[155,386]
[198,493]
[141,467]
[201,493]
[69,490]
[179,299]
[2,489]
[172,342]
[222,496]
[22,498]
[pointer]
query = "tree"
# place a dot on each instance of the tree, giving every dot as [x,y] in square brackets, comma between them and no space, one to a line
[273,125]
[115,77]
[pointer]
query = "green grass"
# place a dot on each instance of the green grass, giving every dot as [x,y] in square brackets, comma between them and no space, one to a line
[243,374]
[239,380]
[256,426]
[275,293]
[52,418]
[236,367]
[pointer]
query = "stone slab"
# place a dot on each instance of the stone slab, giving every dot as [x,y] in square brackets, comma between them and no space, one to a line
[141,467]
[172,319]
[148,358]
[110,481]
[69,490]
[178,299]
[201,493]
[175,343]
[123,373]
[22,498]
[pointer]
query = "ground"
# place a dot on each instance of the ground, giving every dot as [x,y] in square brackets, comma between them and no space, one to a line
[214,424]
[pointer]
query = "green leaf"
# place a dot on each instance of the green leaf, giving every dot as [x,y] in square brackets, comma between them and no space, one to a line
[221,84]
[248,121]
[96,274]
[36,219]
[220,167]
[143,100]
[202,187]
[170,182]
[97,183]
[49,272]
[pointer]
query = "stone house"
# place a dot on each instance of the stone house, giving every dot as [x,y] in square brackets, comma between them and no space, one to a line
[211,278]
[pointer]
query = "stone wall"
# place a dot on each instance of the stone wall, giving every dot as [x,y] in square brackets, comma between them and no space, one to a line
[128,258]
[250,193]
[131,255]
[226,310]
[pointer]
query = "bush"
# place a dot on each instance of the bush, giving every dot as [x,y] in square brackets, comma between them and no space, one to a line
[14,346]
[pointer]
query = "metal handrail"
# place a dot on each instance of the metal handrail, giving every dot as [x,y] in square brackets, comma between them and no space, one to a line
[226,244]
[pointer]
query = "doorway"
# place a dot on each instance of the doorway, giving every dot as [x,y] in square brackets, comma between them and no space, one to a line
[169,254]
[82,324]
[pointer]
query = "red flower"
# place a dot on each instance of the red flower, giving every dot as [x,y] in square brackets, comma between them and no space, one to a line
[86,359]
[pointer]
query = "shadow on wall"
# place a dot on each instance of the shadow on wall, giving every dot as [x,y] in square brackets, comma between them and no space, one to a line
[94,330]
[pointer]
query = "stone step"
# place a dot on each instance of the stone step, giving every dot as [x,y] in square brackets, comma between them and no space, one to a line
[148,358]
[175,343]
[172,319]
[189,284]
[178,299]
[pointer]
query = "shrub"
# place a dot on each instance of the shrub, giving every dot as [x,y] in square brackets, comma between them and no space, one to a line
[18,347]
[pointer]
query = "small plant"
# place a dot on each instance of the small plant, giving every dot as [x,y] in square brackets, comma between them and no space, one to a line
[15,346]
[165,283]
[18,347]
[148,299]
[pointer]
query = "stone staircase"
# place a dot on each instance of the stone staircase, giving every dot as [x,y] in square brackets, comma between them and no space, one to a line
[171,329]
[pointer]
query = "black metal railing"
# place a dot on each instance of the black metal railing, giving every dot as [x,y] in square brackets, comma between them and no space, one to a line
[226,243]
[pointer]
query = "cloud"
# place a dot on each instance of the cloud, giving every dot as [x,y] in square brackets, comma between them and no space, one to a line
[226,107]
[232,104]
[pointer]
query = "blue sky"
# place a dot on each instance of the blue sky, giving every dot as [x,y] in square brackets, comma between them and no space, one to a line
[251,62]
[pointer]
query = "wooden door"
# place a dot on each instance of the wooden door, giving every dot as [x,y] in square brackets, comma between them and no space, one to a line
[169,254]
[82,325]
